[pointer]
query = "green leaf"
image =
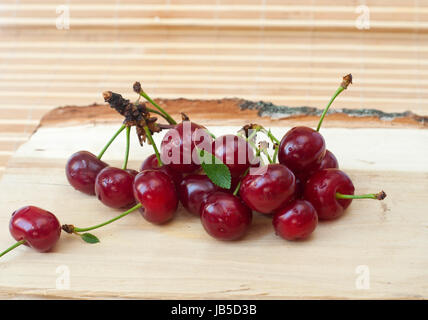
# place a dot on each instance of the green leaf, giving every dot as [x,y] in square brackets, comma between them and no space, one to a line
[215,169]
[89,238]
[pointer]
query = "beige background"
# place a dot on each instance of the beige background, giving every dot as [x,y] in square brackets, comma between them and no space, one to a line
[287,52]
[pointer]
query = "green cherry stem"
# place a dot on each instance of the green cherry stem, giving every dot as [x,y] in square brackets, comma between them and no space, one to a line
[110,141]
[152,142]
[17,244]
[377,196]
[167,116]
[235,192]
[347,80]
[69,228]
[128,139]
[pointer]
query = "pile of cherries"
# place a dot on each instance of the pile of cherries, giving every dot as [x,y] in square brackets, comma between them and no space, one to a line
[300,185]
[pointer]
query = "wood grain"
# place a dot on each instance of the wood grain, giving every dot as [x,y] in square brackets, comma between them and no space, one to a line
[138,260]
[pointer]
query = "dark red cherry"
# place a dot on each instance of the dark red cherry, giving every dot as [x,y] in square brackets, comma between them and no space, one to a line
[297,220]
[179,143]
[329,161]
[113,187]
[321,189]
[268,188]
[194,190]
[301,148]
[39,228]
[225,217]
[156,192]
[82,168]
[152,163]
[235,153]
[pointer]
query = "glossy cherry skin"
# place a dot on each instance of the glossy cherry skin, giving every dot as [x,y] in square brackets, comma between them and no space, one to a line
[329,161]
[268,188]
[321,189]
[114,187]
[152,163]
[301,148]
[235,153]
[39,228]
[194,190]
[156,192]
[297,220]
[179,143]
[225,217]
[81,169]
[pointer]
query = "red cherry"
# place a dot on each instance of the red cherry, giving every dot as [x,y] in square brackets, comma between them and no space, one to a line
[113,187]
[225,217]
[268,188]
[329,161]
[297,220]
[301,148]
[178,145]
[82,168]
[152,163]
[156,192]
[321,189]
[39,228]
[235,153]
[194,190]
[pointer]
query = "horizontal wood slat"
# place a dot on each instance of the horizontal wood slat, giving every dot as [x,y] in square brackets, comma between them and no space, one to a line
[287,52]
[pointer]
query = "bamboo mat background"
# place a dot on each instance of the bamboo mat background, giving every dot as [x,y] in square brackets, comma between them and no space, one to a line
[287,52]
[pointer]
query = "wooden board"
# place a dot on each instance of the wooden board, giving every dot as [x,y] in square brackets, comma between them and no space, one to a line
[179,260]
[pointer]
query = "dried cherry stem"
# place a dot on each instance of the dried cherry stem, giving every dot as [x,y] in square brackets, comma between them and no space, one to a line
[128,140]
[17,244]
[152,142]
[111,141]
[347,80]
[167,116]
[69,228]
[377,196]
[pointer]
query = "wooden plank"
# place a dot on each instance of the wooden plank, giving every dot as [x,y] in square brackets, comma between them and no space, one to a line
[382,236]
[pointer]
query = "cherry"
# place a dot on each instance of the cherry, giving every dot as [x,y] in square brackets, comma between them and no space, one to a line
[225,217]
[194,189]
[329,161]
[331,191]
[301,148]
[35,227]
[235,153]
[268,188]
[297,220]
[178,145]
[113,187]
[156,192]
[321,189]
[152,163]
[82,169]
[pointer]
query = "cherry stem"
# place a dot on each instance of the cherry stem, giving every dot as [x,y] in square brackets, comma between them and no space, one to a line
[167,116]
[12,247]
[75,229]
[235,192]
[128,139]
[160,114]
[152,142]
[347,80]
[377,196]
[251,143]
[275,155]
[110,141]
[338,91]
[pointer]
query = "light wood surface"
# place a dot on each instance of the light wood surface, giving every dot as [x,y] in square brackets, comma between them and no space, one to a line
[287,52]
[179,260]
